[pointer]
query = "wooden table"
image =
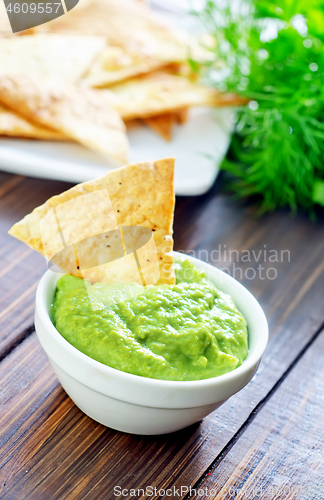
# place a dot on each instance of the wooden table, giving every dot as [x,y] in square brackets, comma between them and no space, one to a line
[265,442]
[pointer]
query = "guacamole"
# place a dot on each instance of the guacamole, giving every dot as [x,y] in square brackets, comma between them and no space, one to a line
[186,331]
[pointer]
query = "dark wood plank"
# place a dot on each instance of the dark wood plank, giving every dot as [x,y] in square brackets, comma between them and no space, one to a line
[67,455]
[33,406]
[20,267]
[281,454]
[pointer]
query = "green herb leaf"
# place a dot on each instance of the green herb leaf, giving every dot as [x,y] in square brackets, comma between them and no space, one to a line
[272,53]
[318,192]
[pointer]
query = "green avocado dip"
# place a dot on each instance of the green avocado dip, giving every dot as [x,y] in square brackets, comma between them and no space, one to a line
[186,331]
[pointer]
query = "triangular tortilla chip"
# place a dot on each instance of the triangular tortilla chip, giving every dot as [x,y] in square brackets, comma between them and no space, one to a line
[182,115]
[161,92]
[162,125]
[5,28]
[84,115]
[14,125]
[115,63]
[138,41]
[116,228]
[60,57]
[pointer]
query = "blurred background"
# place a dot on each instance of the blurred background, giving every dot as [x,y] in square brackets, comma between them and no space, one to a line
[198,80]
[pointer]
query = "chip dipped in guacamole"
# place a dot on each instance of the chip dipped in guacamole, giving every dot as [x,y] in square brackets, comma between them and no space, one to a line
[186,331]
[124,302]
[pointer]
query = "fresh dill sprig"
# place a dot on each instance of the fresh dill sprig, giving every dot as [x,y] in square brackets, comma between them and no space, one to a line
[273,54]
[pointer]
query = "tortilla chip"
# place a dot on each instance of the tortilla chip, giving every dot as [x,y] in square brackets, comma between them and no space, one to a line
[5,28]
[162,125]
[138,41]
[115,63]
[161,92]
[59,57]
[182,115]
[81,114]
[88,230]
[126,57]
[13,125]
[132,124]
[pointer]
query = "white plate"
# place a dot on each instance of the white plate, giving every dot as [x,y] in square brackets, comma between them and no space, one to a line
[199,146]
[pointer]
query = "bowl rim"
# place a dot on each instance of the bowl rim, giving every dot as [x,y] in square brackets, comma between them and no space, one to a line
[252,360]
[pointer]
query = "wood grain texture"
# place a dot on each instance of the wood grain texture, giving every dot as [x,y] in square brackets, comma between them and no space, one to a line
[20,267]
[67,455]
[281,454]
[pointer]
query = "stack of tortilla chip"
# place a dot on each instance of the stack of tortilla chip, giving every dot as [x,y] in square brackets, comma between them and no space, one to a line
[75,112]
[83,75]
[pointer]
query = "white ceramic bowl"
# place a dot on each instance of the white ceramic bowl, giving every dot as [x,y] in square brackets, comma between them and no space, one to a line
[141,405]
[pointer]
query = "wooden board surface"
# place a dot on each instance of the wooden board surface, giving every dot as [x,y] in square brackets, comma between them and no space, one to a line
[50,450]
[281,454]
[20,268]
